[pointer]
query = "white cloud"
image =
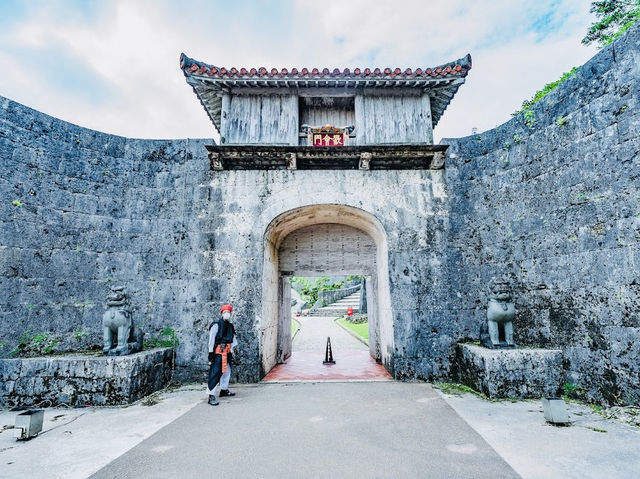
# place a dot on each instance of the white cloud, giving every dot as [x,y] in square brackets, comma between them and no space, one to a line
[132,47]
[503,77]
[512,57]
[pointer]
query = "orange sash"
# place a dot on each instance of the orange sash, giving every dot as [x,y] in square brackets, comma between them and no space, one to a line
[223,352]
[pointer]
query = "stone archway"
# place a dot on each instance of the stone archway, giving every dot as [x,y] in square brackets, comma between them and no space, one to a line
[323,239]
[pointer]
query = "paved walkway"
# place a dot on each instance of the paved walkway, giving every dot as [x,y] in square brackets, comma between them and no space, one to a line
[378,420]
[313,335]
[305,430]
[352,358]
[591,448]
[75,443]
[351,365]
[319,429]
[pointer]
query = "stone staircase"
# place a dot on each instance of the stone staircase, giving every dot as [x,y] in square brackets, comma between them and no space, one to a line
[339,308]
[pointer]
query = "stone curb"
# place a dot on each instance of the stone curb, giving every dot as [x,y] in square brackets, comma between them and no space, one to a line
[297,329]
[366,343]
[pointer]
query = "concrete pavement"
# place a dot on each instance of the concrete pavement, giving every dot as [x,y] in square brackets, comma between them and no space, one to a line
[591,448]
[75,443]
[323,417]
[307,430]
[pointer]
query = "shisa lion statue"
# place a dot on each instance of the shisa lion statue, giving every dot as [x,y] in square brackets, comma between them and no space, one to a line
[497,332]
[117,323]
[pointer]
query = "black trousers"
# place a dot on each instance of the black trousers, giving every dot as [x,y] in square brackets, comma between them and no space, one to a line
[215,370]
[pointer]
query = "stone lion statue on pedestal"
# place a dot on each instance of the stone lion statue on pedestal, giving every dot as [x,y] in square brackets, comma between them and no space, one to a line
[117,323]
[497,332]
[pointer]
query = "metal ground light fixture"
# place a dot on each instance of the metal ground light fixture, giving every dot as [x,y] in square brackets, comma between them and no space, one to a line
[28,424]
[555,410]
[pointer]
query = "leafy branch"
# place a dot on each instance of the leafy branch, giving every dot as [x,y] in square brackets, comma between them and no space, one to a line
[614,18]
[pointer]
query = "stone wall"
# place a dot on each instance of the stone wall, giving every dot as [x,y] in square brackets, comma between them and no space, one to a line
[557,207]
[82,211]
[78,380]
[511,373]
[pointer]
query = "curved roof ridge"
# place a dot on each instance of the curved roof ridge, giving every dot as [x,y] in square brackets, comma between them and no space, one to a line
[191,67]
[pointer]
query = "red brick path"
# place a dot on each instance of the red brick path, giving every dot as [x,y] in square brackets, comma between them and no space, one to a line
[307,366]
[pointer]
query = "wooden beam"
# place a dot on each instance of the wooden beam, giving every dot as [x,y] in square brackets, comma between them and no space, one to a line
[224,121]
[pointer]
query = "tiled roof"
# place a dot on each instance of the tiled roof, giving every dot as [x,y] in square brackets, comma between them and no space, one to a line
[190,67]
[209,82]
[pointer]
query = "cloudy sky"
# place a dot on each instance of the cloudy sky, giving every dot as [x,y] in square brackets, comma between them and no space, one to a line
[113,65]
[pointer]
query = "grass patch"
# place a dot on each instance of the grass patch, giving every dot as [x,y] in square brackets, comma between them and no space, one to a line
[167,338]
[361,329]
[34,345]
[597,409]
[596,429]
[295,325]
[150,401]
[457,389]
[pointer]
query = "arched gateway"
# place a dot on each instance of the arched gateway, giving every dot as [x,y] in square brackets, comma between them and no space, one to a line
[331,240]
[324,172]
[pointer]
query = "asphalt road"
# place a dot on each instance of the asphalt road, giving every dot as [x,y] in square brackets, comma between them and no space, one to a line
[309,430]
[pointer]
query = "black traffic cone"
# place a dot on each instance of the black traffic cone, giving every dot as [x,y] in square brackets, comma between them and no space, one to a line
[328,355]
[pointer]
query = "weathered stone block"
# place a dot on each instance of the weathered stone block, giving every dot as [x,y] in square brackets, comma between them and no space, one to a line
[625,347]
[516,373]
[78,380]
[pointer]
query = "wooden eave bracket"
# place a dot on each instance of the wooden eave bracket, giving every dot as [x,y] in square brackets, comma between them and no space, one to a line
[365,160]
[437,162]
[216,163]
[292,161]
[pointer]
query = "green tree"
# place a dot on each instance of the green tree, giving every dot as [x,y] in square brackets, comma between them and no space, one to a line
[614,18]
[310,290]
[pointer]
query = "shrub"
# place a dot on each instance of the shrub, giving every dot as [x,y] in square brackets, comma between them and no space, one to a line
[540,94]
[167,338]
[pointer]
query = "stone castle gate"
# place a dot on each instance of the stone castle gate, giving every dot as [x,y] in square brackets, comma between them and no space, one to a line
[329,225]
[188,225]
[350,178]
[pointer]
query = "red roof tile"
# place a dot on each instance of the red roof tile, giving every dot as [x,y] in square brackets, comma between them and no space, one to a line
[192,67]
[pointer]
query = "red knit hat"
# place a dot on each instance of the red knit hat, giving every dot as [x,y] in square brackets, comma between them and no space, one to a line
[226,307]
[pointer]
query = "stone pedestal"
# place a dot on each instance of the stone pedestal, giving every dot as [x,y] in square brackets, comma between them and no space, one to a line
[79,380]
[510,373]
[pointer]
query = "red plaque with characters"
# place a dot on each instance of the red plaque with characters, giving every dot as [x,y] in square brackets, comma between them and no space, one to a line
[327,135]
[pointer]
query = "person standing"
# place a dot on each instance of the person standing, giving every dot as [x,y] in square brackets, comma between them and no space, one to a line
[222,341]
